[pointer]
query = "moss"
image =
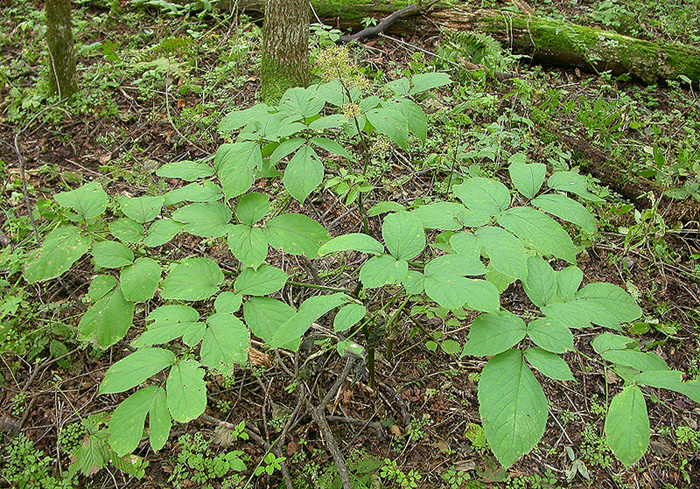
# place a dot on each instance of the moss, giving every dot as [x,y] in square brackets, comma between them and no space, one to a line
[278,78]
[595,49]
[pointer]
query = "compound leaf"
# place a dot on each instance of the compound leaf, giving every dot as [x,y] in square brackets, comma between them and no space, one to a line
[491,334]
[296,234]
[512,405]
[192,279]
[89,201]
[62,247]
[141,209]
[264,280]
[225,342]
[135,369]
[539,232]
[627,425]
[186,391]
[140,280]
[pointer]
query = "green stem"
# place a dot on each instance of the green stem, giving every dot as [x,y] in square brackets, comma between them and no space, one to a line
[391,327]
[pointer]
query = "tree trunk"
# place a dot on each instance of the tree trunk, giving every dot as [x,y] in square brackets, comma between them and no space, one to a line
[59,36]
[546,41]
[285,58]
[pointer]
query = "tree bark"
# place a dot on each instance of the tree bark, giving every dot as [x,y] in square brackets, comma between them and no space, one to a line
[285,58]
[59,36]
[546,41]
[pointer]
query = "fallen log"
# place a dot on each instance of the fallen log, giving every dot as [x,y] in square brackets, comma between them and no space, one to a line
[546,41]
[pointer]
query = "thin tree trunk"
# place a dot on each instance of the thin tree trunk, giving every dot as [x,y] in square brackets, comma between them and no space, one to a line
[285,59]
[59,36]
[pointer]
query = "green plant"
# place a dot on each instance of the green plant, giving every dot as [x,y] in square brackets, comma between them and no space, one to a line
[197,463]
[486,244]
[27,467]
[391,472]
[270,463]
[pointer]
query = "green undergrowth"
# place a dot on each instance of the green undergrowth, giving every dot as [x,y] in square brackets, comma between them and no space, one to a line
[506,208]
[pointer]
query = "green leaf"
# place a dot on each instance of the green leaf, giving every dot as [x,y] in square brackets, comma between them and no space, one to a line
[551,335]
[193,279]
[527,178]
[136,369]
[483,195]
[309,312]
[505,252]
[621,350]
[549,364]
[671,380]
[303,174]
[89,201]
[264,280]
[187,391]
[352,242]
[467,245]
[167,323]
[328,122]
[286,148]
[445,284]
[331,146]
[568,282]
[206,192]
[301,102]
[403,235]
[264,316]
[414,282]
[445,216]
[427,81]
[108,320]
[498,279]
[62,247]
[603,304]
[566,209]
[248,244]
[141,209]
[348,316]
[491,334]
[382,270]
[539,232]
[111,254]
[252,207]
[512,405]
[240,118]
[414,115]
[572,182]
[126,230]
[228,302]
[391,123]
[451,347]
[210,220]
[159,422]
[541,282]
[225,342]
[296,234]
[140,280]
[399,87]
[161,232]
[126,425]
[188,171]
[100,286]
[384,207]
[627,425]
[235,166]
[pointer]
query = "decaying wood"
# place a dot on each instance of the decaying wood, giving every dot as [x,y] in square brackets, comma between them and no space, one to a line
[545,41]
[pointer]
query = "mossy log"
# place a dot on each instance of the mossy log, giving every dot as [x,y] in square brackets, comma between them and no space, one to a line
[546,41]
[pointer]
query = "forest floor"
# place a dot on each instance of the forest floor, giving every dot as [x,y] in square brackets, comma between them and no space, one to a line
[155,85]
